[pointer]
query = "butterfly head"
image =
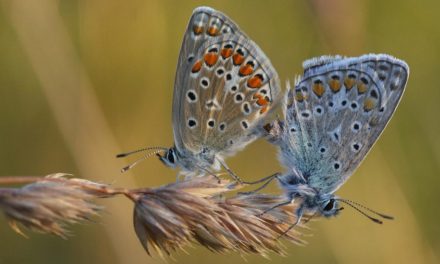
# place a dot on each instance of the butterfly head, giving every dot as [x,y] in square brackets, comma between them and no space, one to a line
[329,207]
[169,157]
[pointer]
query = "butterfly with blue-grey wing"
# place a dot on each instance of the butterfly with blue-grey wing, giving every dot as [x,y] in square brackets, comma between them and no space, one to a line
[225,87]
[332,118]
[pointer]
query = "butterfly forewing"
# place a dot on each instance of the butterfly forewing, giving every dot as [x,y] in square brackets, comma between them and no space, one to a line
[335,114]
[230,89]
[225,85]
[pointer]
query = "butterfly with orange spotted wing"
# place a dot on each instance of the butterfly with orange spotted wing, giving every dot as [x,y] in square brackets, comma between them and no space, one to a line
[332,118]
[225,87]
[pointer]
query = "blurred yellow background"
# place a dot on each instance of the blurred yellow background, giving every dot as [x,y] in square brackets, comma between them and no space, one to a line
[83,80]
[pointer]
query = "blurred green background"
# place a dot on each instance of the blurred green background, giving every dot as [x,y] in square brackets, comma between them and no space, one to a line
[83,80]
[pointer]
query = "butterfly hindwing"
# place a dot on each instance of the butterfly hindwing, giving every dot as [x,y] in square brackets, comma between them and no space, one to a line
[225,85]
[335,114]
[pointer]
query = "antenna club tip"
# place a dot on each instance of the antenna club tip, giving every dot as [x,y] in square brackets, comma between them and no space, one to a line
[377,221]
[121,155]
[125,169]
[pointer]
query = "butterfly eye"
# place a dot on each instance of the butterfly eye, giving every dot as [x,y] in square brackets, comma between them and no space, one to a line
[330,205]
[170,156]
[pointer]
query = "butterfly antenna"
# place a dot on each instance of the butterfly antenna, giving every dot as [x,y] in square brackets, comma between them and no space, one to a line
[368,209]
[146,156]
[121,155]
[362,212]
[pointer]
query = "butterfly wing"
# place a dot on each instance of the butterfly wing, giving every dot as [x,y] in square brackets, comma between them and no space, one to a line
[224,87]
[335,114]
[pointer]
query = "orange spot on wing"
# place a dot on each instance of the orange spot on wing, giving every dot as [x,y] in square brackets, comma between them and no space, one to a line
[335,85]
[211,58]
[213,31]
[226,53]
[197,29]
[197,66]
[369,104]
[264,110]
[255,82]
[261,100]
[246,70]
[318,89]
[361,87]
[349,83]
[237,59]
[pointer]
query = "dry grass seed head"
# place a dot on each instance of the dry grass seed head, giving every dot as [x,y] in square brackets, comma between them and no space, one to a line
[169,217]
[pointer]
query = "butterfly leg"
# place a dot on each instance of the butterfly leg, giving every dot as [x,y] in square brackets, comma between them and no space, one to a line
[299,215]
[230,172]
[276,206]
[267,180]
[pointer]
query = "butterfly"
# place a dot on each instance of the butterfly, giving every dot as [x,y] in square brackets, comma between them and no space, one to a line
[225,87]
[332,118]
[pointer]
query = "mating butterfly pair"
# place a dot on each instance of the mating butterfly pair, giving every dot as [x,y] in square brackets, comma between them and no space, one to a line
[225,89]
